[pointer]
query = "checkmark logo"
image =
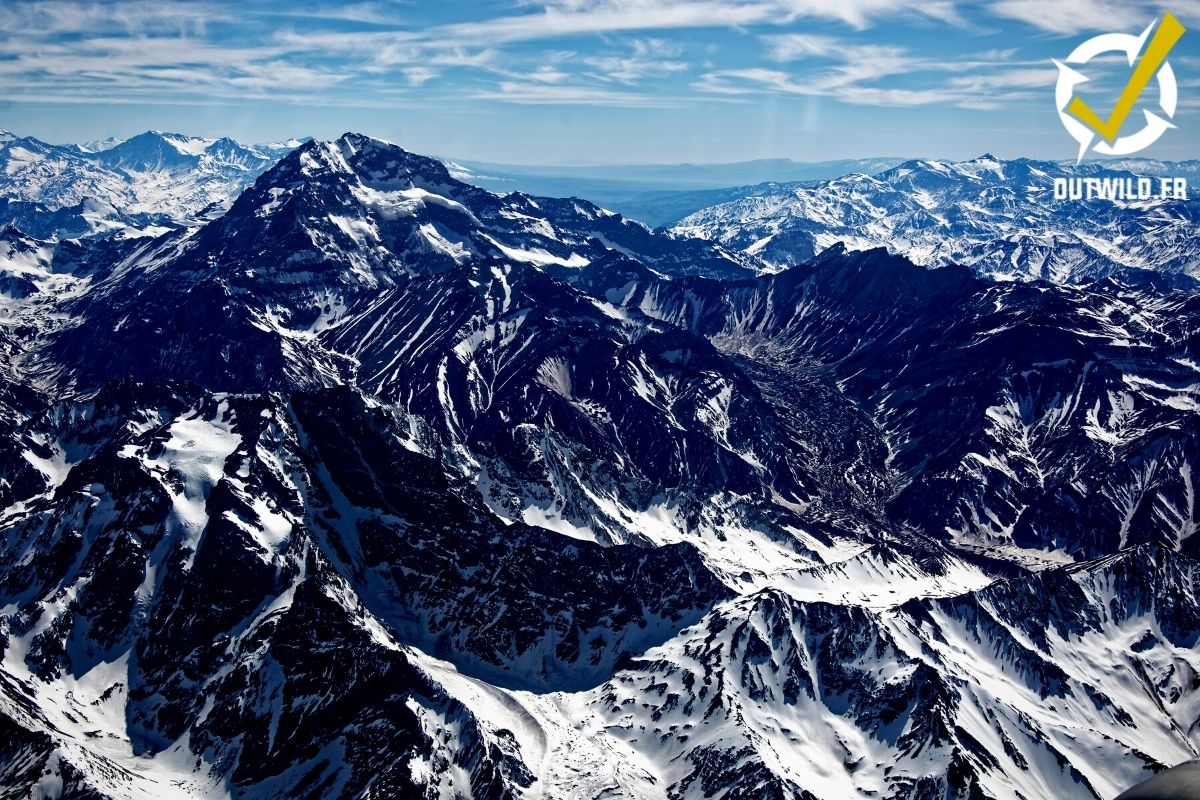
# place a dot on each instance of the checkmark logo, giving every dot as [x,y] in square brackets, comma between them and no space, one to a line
[1165,38]
[1147,55]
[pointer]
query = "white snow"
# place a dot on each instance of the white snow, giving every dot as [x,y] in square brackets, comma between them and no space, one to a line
[391,204]
[188,145]
[539,257]
[196,451]
[460,250]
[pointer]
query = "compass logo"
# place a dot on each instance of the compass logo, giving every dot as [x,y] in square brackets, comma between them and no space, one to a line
[1147,55]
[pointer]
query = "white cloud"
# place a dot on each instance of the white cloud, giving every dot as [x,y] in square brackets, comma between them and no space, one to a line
[853,63]
[648,58]
[862,13]
[528,93]
[1006,79]
[613,16]
[548,74]
[166,48]
[564,18]
[39,18]
[368,13]
[1081,16]
[860,74]
[740,80]
[795,46]
[417,76]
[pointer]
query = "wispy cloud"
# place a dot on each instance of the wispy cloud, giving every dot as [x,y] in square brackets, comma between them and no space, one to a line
[171,52]
[600,52]
[796,46]
[419,75]
[647,58]
[568,79]
[141,48]
[42,18]
[534,93]
[979,83]
[743,81]
[367,13]
[561,18]
[862,13]
[863,74]
[1073,17]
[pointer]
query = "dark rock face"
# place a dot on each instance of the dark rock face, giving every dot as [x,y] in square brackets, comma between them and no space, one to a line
[1011,413]
[380,485]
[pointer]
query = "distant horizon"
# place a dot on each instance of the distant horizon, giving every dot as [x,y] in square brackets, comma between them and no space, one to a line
[567,164]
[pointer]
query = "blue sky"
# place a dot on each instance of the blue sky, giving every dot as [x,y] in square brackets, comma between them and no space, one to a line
[557,81]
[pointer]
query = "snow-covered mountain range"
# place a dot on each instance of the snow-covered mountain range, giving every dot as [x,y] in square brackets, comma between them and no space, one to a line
[998,217]
[378,484]
[133,186]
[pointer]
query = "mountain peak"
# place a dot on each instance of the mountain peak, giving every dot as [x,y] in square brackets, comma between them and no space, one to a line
[100,145]
[371,160]
[151,150]
[11,232]
[362,138]
[152,136]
